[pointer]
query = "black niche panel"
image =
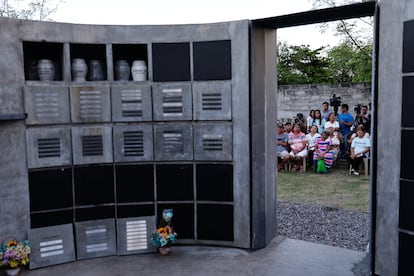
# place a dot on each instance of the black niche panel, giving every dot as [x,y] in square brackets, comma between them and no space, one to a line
[407,151]
[129,211]
[183,220]
[175,182]
[214,182]
[405,255]
[408,46]
[134,183]
[94,213]
[406,205]
[212,60]
[50,189]
[39,220]
[215,222]
[407,102]
[171,61]
[94,185]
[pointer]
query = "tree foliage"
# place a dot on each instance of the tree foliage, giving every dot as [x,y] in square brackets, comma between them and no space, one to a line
[29,9]
[339,64]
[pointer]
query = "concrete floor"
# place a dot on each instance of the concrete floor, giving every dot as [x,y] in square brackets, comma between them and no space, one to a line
[284,257]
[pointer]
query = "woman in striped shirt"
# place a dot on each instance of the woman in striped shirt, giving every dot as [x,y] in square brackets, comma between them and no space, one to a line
[323,150]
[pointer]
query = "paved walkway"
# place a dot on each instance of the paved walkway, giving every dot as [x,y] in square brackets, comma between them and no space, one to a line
[284,257]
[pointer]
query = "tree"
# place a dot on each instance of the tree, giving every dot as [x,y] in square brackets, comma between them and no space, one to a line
[300,64]
[356,32]
[29,9]
[350,64]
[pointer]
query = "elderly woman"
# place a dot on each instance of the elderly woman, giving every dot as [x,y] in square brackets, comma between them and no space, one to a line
[297,141]
[323,150]
[360,147]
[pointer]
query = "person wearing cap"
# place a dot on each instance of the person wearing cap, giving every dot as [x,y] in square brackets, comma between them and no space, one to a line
[282,141]
[297,141]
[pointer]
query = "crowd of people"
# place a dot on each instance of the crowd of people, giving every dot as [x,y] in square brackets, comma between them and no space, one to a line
[326,136]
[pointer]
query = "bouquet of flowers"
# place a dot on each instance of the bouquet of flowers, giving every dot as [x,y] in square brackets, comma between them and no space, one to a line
[163,236]
[14,254]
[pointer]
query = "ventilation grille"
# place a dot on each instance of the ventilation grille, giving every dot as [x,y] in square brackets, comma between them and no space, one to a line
[172,102]
[136,235]
[92,145]
[48,147]
[52,247]
[211,101]
[90,104]
[134,143]
[131,103]
[96,239]
[47,104]
[173,142]
[212,142]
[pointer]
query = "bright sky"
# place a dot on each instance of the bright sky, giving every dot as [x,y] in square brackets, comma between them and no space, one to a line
[148,12]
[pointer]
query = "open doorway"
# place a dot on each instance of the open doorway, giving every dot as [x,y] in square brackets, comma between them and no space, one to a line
[333,207]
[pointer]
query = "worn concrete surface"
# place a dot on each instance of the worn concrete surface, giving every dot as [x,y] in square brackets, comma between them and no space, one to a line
[285,257]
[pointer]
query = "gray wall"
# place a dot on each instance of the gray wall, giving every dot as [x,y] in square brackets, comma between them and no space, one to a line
[14,186]
[302,98]
[392,15]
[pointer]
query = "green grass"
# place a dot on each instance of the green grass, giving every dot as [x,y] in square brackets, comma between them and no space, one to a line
[336,189]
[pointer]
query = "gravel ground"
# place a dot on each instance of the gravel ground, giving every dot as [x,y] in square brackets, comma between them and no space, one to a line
[348,229]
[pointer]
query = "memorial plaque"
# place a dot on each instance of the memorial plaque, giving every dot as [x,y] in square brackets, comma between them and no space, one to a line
[46,104]
[213,142]
[51,245]
[131,103]
[90,104]
[134,235]
[95,238]
[173,142]
[172,102]
[48,147]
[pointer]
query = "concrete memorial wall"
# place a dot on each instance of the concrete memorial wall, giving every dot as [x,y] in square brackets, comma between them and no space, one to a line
[94,153]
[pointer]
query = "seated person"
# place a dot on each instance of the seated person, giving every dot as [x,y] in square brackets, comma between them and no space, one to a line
[288,127]
[297,142]
[323,150]
[282,141]
[360,148]
[332,122]
[311,137]
[335,139]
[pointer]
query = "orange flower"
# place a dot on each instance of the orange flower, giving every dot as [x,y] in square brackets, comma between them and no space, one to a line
[11,243]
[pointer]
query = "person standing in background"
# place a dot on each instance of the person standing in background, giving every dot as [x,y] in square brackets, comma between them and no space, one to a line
[325,111]
[345,123]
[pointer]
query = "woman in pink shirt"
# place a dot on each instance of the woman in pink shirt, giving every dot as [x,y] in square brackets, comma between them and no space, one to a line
[297,141]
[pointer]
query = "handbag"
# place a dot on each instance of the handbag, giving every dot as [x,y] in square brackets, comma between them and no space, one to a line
[321,166]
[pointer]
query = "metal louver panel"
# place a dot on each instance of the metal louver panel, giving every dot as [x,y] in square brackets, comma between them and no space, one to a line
[213,142]
[131,103]
[172,102]
[92,145]
[134,143]
[211,101]
[48,147]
